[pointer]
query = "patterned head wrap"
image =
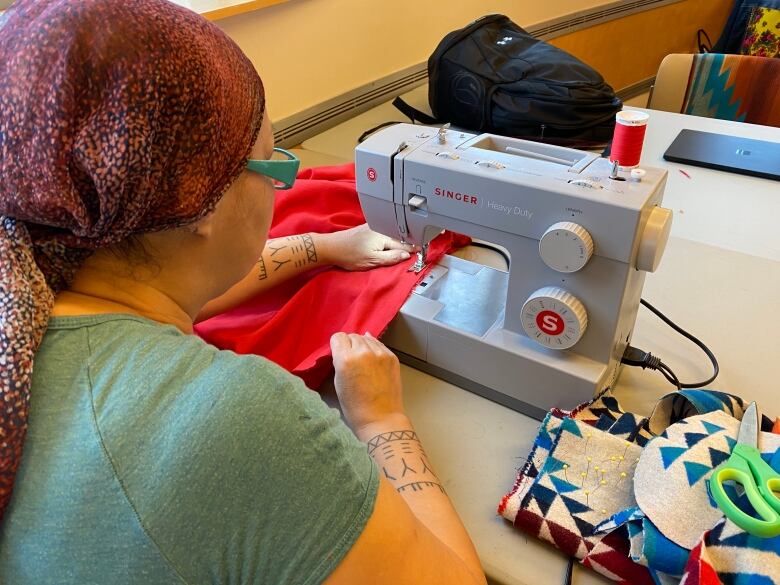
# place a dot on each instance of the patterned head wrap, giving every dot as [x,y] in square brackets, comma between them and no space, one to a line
[116,117]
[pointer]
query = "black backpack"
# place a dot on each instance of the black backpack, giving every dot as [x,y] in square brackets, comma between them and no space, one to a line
[492,76]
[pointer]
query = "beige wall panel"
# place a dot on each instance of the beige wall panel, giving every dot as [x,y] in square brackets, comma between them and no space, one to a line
[308,51]
[630,49]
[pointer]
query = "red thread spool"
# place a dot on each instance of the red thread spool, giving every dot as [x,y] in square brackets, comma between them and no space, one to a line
[629,137]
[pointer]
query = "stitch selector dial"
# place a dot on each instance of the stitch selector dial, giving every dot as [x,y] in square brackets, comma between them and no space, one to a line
[566,246]
[554,318]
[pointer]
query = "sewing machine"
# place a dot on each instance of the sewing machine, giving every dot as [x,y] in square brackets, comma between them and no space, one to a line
[581,235]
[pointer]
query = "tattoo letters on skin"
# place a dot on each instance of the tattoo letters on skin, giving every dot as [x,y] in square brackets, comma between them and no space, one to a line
[403,461]
[297,251]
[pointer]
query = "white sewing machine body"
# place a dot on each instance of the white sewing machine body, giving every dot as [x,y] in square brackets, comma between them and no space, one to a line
[551,332]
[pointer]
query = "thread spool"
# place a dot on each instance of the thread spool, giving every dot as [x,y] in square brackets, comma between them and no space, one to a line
[629,137]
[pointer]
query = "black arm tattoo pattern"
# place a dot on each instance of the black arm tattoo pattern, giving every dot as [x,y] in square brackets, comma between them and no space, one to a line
[417,486]
[262,273]
[401,457]
[275,249]
[298,250]
[406,468]
[311,251]
[380,440]
[279,264]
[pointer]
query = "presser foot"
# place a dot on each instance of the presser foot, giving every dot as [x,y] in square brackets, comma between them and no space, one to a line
[419,264]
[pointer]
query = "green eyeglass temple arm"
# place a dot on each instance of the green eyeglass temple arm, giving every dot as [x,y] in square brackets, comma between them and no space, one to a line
[284,170]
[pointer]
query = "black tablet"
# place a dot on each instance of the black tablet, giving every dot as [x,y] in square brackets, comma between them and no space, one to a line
[732,154]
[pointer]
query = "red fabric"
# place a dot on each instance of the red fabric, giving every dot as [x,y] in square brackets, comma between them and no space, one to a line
[292,324]
[698,570]
[607,555]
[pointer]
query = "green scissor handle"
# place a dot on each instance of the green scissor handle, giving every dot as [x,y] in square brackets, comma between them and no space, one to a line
[760,483]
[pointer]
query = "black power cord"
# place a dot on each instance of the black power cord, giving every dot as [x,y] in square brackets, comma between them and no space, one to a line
[634,356]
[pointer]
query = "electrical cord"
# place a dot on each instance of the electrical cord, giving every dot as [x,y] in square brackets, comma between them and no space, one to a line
[370,131]
[567,576]
[633,356]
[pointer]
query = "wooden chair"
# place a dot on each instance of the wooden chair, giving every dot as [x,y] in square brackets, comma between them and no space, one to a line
[671,83]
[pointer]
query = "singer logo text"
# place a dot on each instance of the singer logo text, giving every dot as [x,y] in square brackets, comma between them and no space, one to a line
[456,195]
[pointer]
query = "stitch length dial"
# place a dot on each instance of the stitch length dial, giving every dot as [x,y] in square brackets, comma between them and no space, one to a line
[554,318]
[566,246]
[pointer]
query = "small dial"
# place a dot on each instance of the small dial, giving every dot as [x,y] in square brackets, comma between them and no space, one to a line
[554,318]
[566,246]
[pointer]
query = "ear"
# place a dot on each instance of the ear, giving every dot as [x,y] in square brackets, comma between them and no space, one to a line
[203,228]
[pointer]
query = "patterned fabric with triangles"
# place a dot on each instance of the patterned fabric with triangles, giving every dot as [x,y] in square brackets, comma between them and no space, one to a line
[671,477]
[585,479]
[601,413]
[742,88]
[727,555]
[582,491]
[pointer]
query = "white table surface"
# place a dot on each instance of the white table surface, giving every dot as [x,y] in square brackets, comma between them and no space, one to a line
[719,279]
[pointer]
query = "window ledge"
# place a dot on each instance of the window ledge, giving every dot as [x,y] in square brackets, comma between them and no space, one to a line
[217,9]
[211,9]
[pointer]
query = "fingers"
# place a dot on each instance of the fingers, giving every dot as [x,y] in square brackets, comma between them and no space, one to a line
[339,343]
[387,243]
[359,342]
[376,345]
[390,257]
[391,244]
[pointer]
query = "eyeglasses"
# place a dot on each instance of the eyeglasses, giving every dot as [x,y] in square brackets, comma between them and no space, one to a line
[282,168]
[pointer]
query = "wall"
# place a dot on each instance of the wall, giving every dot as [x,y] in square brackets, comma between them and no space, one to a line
[630,49]
[308,51]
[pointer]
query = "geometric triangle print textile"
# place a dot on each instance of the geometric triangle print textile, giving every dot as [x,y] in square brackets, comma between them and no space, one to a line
[711,428]
[734,557]
[670,454]
[742,88]
[585,480]
[627,426]
[717,457]
[562,486]
[604,406]
[671,487]
[574,507]
[695,471]
[509,505]
[290,325]
[692,439]
[678,406]
[544,499]
[672,496]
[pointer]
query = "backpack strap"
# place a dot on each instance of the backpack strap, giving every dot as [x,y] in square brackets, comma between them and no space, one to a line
[413,113]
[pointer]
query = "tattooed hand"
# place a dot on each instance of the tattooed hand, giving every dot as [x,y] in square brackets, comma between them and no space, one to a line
[360,248]
[368,379]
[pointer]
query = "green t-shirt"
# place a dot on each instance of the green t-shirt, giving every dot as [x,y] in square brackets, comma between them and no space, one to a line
[152,457]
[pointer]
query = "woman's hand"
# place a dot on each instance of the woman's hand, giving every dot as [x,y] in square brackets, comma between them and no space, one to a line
[359,248]
[367,381]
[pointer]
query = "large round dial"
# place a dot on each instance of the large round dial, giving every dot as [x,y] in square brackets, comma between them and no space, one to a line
[554,318]
[566,246]
[654,239]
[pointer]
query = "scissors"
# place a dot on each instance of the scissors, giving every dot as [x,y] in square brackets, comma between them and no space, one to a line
[760,482]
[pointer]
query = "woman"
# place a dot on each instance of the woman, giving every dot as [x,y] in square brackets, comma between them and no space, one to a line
[151,457]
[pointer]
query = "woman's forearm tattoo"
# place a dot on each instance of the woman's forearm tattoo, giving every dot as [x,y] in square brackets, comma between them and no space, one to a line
[403,461]
[262,273]
[297,251]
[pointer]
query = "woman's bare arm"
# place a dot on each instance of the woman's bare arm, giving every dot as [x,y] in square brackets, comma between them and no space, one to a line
[414,534]
[283,258]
